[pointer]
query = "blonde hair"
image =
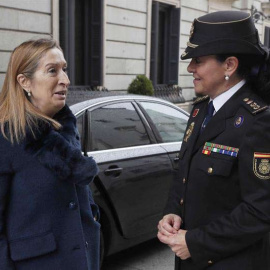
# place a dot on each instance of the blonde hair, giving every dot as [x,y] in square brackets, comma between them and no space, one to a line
[17,114]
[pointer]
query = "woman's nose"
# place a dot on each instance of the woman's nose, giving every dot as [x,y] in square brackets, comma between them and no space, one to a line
[191,66]
[64,79]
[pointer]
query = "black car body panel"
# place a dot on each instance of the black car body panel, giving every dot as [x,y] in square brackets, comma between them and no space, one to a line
[133,141]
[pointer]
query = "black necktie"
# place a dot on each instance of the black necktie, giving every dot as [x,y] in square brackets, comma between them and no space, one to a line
[210,111]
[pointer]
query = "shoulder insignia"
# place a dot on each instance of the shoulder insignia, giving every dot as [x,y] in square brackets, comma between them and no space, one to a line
[200,99]
[261,165]
[253,106]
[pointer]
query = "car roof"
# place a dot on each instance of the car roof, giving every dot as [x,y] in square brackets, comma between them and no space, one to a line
[81,106]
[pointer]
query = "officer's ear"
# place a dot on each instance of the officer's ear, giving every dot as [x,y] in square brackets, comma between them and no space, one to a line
[231,65]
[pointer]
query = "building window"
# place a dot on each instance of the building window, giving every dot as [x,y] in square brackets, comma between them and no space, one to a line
[164,44]
[81,39]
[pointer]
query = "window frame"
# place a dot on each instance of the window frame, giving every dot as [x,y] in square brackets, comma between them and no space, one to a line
[152,124]
[172,36]
[92,45]
[147,127]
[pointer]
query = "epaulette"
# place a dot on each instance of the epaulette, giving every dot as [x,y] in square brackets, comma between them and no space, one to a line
[200,99]
[253,106]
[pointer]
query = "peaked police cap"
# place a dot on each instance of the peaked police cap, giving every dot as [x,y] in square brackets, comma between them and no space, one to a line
[223,32]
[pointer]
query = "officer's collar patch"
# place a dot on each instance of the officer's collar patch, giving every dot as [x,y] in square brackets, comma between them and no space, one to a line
[195,112]
[200,99]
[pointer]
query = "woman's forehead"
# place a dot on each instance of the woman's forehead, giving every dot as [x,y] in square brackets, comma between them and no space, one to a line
[53,56]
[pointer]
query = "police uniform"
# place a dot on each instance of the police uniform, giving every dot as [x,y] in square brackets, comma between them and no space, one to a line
[222,188]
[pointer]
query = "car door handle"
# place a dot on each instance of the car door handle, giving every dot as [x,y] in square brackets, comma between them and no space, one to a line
[176,158]
[113,171]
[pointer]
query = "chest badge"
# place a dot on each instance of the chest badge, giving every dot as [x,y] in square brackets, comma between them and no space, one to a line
[195,113]
[261,165]
[189,131]
[219,149]
[238,121]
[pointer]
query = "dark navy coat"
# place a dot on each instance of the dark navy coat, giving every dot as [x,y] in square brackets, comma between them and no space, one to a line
[222,190]
[47,212]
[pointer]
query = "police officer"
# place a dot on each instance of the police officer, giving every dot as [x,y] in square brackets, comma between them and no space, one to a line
[218,211]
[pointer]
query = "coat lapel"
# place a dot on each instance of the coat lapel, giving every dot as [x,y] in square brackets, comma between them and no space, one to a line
[214,128]
[188,145]
[218,122]
[60,151]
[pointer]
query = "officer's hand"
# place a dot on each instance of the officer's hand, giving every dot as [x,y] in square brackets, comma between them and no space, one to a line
[177,243]
[169,224]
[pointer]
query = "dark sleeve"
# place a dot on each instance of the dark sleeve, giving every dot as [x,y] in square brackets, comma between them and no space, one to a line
[5,182]
[250,220]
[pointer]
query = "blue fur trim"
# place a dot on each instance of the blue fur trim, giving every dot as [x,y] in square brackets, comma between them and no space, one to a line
[60,151]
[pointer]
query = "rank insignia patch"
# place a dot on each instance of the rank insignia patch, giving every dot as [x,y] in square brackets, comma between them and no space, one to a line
[261,165]
[189,131]
[238,121]
[195,113]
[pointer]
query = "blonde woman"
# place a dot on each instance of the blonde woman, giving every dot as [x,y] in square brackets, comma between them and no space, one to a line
[47,213]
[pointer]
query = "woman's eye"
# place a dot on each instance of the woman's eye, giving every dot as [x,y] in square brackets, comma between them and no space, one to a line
[52,70]
[197,60]
[65,69]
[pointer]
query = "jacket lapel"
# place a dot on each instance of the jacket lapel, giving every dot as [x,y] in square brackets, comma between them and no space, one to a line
[188,144]
[218,122]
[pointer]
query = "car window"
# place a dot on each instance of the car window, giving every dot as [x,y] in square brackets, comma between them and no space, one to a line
[170,122]
[115,126]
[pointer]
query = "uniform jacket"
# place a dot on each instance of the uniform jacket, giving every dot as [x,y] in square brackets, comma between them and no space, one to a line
[223,197]
[46,208]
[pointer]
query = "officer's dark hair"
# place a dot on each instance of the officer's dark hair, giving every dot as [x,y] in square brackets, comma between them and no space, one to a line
[255,70]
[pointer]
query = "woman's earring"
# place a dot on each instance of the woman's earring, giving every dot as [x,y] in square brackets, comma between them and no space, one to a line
[29,94]
[227,77]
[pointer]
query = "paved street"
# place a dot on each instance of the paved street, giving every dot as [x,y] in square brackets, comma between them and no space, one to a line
[151,255]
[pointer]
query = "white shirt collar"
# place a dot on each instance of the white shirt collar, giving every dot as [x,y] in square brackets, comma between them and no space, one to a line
[220,100]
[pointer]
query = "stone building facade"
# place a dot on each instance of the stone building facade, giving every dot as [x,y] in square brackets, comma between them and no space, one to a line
[108,42]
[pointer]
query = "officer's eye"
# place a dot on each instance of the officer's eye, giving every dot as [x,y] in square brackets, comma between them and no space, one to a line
[197,60]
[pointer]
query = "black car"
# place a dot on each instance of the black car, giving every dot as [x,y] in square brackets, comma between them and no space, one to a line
[135,140]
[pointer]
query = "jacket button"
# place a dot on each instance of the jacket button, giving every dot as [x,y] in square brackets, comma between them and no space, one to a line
[86,244]
[72,205]
[210,170]
[210,262]
[184,180]
[181,201]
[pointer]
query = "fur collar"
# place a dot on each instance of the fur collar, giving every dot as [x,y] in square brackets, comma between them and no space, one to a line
[60,150]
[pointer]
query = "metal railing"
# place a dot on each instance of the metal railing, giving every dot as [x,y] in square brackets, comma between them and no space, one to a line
[172,93]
